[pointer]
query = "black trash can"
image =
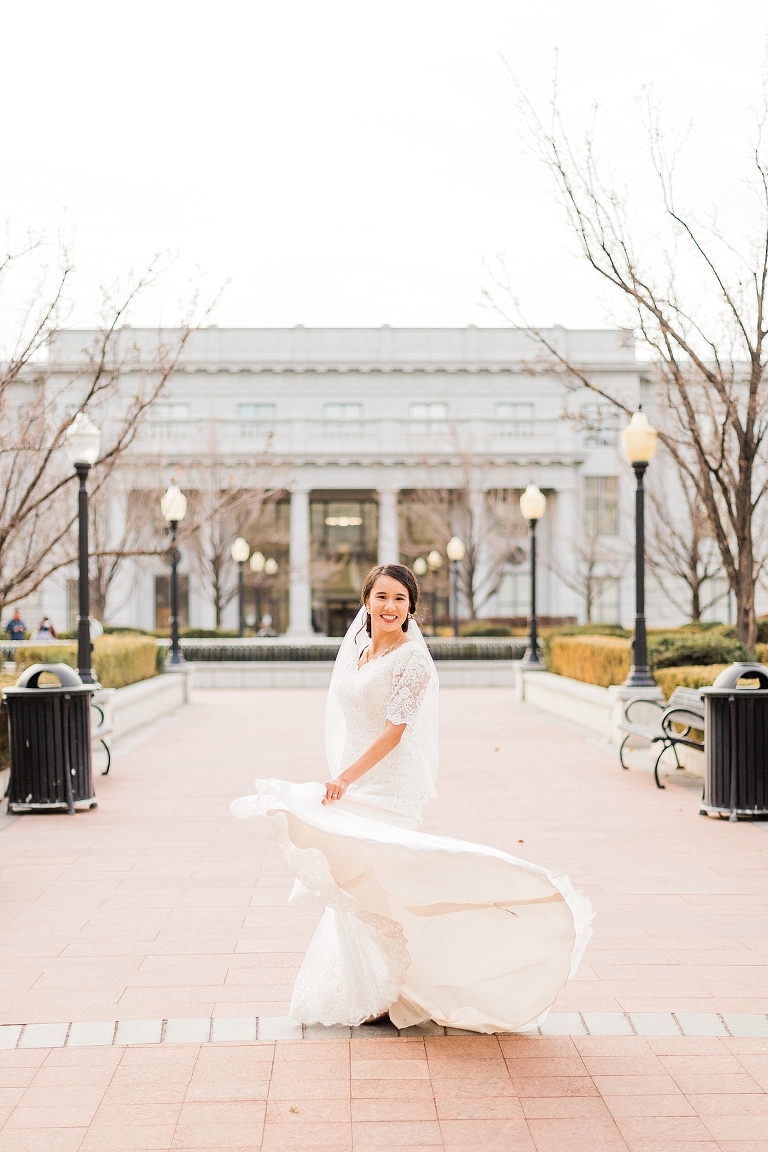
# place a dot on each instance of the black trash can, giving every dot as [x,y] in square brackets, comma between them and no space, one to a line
[49,733]
[736,744]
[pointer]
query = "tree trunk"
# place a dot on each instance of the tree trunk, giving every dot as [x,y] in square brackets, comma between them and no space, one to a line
[746,620]
[695,596]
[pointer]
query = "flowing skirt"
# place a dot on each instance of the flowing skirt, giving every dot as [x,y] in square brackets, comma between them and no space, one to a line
[423,927]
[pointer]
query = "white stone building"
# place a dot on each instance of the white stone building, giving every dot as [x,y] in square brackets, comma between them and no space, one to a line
[351,425]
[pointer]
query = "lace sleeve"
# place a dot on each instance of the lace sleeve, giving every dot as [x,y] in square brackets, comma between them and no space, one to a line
[409,684]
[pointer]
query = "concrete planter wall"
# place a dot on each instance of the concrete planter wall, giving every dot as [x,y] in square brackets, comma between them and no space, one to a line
[317,674]
[585,704]
[598,709]
[129,708]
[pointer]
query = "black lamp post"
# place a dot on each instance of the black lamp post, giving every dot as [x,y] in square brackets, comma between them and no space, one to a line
[82,443]
[271,568]
[256,565]
[533,504]
[240,552]
[420,568]
[456,552]
[435,562]
[639,442]
[174,508]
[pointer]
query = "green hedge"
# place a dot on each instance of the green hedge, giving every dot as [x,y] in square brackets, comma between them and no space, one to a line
[602,660]
[605,660]
[680,649]
[118,660]
[484,628]
[691,677]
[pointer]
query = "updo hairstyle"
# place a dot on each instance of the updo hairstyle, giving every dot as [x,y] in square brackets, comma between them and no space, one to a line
[403,576]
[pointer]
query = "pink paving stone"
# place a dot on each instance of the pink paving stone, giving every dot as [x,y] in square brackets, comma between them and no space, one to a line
[158,904]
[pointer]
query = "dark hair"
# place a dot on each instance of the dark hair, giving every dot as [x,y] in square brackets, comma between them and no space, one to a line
[403,576]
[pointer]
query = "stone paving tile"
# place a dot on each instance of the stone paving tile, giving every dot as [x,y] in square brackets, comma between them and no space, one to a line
[160,911]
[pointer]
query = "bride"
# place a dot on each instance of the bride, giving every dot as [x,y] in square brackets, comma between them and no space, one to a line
[422,927]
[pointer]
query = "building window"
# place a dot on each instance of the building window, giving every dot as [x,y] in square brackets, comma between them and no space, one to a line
[516,420]
[163,601]
[601,505]
[715,595]
[428,419]
[169,418]
[256,411]
[513,597]
[430,411]
[601,422]
[342,419]
[256,419]
[606,605]
[342,411]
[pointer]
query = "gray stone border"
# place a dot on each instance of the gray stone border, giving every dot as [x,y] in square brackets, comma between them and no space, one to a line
[248,1029]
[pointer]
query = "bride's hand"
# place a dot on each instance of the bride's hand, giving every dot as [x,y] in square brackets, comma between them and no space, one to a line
[334,789]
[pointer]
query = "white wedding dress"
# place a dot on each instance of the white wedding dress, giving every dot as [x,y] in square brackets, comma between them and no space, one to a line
[424,927]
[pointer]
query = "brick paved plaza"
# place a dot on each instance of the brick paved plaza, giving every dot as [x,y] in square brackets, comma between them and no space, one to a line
[152,932]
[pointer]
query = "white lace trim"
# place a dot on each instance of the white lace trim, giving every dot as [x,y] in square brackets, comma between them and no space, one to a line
[351,970]
[410,680]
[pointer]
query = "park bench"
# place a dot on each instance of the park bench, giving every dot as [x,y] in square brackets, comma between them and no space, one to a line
[103,727]
[667,724]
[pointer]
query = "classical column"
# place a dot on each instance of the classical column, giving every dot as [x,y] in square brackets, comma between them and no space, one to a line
[389,542]
[300,601]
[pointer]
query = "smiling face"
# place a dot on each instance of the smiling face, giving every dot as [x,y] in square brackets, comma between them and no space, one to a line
[388,605]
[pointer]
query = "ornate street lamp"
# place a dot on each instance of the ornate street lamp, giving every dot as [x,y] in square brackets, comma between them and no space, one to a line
[82,443]
[435,562]
[256,565]
[456,552]
[270,569]
[173,506]
[639,442]
[240,552]
[533,505]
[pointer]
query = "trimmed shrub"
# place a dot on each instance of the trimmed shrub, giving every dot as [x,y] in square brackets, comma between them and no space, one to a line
[5,757]
[197,633]
[602,660]
[484,628]
[687,677]
[761,653]
[118,660]
[682,649]
[605,660]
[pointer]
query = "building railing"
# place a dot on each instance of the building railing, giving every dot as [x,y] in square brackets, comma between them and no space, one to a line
[326,649]
[386,434]
[314,648]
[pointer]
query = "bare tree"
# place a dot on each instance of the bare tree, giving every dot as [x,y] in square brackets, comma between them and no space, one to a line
[37,509]
[119,542]
[592,560]
[226,504]
[489,523]
[681,549]
[708,354]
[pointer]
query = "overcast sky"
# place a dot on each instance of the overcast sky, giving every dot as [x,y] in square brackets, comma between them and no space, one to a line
[348,163]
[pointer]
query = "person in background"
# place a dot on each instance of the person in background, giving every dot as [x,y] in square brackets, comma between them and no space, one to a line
[16,628]
[46,633]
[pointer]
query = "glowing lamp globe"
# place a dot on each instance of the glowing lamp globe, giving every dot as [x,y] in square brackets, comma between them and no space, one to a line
[240,550]
[638,439]
[533,503]
[455,549]
[420,566]
[82,441]
[173,504]
[271,566]
[257,562]
[435,560]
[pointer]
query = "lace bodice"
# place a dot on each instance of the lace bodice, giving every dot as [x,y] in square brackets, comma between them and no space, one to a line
[389,688]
